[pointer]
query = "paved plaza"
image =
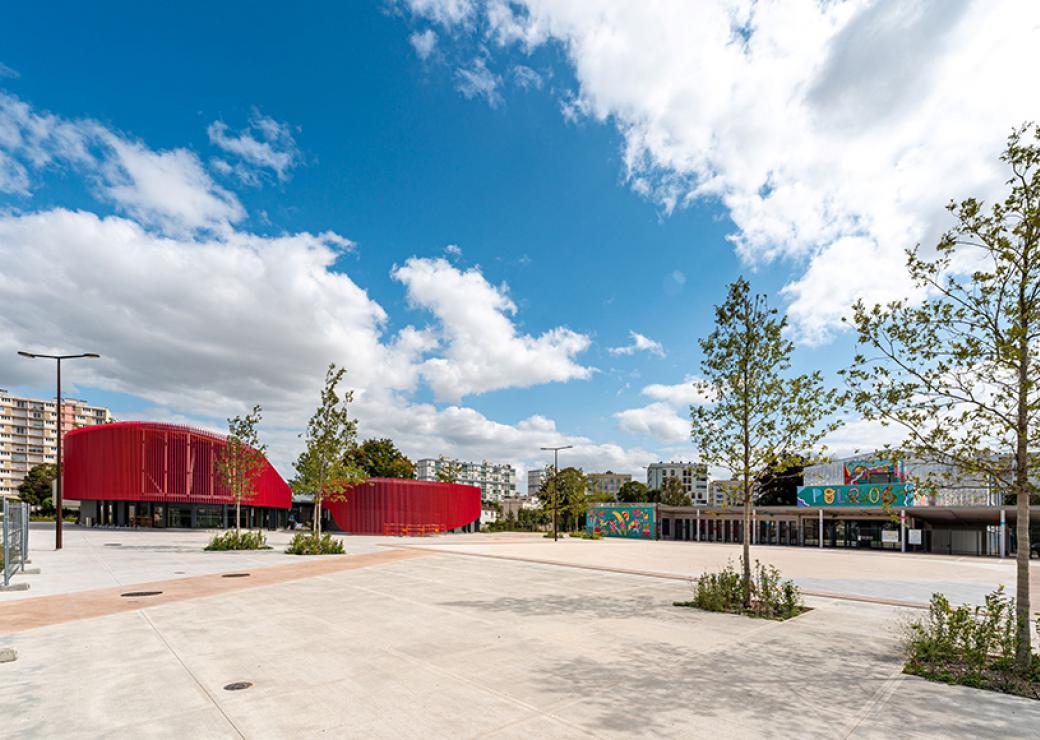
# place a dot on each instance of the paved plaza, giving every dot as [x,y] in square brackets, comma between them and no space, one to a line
[471,636]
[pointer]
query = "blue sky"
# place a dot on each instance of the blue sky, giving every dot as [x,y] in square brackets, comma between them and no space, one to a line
[239,194]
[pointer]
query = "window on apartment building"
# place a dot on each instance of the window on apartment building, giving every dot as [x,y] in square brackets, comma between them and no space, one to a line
[19,430]
[20,404]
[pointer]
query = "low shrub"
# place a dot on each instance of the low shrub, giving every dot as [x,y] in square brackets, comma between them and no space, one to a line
[586,535]
[306,543]
[238,540]
[772,597]
[970,646]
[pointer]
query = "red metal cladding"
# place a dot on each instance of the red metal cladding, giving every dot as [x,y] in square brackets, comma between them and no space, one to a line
[145,461]
[401,506]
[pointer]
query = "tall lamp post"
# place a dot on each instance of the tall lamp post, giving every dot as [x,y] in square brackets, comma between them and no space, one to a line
[60,410]
[556,493]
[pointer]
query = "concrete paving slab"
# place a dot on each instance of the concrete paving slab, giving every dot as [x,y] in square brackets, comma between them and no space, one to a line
[447,645]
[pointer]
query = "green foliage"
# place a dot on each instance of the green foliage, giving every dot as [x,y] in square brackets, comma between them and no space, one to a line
[324,469]
[35,488]
[772,597]
[673,493]
[970,646]
[448,471]
[380,458]
[309,543]
[567,493]
[241,462]
[632,492]
[238,540]
[586,535]
[958,370]
[758,412]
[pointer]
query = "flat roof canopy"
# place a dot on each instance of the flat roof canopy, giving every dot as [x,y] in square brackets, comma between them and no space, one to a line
[981,515]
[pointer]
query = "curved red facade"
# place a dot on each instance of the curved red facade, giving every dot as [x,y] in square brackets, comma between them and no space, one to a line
[403,506]
[145,461]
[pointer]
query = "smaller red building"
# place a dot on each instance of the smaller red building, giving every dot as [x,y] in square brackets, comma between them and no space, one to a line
[149,474]
[399,506]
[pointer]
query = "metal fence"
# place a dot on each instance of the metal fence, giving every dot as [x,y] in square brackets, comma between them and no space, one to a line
[16,537]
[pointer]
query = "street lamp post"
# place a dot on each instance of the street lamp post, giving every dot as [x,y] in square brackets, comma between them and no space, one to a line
[59,502]
[556,492]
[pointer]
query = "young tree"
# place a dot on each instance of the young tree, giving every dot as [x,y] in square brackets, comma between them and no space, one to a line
[759,411]
[632,492]
[673,493]
[35,488]
[448,470]
[565,493]
[959,371]
[241,462]
[323,468]
[380,458]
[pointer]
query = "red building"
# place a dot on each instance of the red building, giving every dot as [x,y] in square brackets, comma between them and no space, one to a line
[161,475]
[396,506]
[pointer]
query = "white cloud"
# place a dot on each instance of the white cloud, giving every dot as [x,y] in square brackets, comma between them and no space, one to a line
[483,350]
[170,190]
[639,343]
[453,250]
[658,419]
[7,72]
[445,12]
[266,144]
[526,78]
[680,394]
[202,319]
[479,81]
[833,133]
[423,42]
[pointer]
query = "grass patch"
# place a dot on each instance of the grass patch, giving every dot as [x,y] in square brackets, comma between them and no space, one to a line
[772,597]
[244,540]
[970,646]
[308,544]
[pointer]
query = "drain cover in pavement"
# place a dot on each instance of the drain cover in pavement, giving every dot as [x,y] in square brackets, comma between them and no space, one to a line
[141,593]
[235,575]
[237,686]
[113,544]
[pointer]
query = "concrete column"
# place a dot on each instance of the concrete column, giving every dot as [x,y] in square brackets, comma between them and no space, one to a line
[698,525]
[821,529]
[902,530]
[1003,533]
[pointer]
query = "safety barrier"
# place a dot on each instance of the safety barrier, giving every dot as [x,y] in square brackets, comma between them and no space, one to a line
[16,537]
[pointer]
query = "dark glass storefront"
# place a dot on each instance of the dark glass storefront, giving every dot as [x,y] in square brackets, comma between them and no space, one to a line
[178,515]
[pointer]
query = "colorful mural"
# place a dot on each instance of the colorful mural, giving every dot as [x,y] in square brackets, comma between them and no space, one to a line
[623,521]
[859,471]
[893,494]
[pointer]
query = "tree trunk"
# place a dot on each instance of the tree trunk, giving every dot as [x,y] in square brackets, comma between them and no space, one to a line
[747,549]
[238,516]
[317,519]
[1023,647]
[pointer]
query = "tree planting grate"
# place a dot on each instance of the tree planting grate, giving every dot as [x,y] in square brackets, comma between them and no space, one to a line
[140,593]
[237,686]
[235,575]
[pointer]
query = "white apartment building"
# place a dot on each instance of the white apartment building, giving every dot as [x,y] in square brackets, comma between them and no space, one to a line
[494,480]
[694,477]
[608,483]
[29,433]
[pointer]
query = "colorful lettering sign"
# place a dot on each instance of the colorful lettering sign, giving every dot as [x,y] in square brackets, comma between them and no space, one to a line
[859,471]
[622,521]
[892,494]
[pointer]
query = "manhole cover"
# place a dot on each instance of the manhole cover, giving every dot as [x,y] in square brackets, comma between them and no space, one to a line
[237,686]
[235,575]
[141,593]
